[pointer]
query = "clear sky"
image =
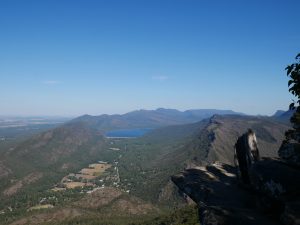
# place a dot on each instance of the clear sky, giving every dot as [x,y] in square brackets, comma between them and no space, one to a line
[94,56]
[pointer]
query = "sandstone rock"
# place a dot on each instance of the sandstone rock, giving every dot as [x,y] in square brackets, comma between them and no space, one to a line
[219,198]
[290,152]
[278,185]
[275,179]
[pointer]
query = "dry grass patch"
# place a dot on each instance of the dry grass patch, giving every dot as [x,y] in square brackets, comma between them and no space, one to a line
[55,189]
[85,176]
[71,185]
[95,169]
[37,207]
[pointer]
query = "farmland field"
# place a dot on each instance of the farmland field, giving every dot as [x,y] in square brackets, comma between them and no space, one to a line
[85,177]
[95,169]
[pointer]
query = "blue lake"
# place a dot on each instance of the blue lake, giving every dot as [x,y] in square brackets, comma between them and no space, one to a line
[128,133]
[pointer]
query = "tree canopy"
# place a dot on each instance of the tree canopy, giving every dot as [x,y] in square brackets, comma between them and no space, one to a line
[293,72]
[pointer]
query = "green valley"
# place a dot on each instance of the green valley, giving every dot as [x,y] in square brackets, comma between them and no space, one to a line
[75,167]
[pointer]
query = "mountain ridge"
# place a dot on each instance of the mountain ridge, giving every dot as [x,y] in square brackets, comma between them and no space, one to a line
[283,116]
[149,118]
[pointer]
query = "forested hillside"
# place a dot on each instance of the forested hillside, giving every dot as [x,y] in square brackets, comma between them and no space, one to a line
[140,168]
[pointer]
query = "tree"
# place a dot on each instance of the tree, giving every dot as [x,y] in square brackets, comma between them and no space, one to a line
[290,148]
[293,72]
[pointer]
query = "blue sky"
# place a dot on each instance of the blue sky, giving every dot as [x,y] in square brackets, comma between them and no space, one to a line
[93,57]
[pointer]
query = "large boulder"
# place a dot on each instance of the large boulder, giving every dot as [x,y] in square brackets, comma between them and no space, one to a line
[277,185]
[290,152]
[275,178]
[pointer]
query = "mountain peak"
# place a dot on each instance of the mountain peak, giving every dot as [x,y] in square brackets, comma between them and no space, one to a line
[283,116]
[278,113]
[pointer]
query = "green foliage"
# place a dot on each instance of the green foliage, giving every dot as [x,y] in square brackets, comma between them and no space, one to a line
[187,215]
[144,164]
[293,72]
[184,216]
[148,162]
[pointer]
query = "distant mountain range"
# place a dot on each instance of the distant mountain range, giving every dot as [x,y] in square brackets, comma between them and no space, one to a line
[149,118]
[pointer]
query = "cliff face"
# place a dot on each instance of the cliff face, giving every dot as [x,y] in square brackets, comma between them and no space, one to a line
[273,196]
[220,200]
[277,184]
[290,152]
[226,130]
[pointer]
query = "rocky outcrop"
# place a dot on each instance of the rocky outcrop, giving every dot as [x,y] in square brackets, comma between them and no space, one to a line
[277,184]
[275,178]
[221,201]
[225,130]
[290,152]
[272,198]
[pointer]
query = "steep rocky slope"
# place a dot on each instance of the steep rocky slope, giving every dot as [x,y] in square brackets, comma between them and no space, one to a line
[224,131]
[214,140]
